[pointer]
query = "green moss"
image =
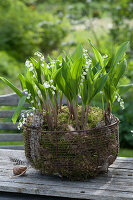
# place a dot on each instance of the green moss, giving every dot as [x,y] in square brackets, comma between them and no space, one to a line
[95,115]
[73,155]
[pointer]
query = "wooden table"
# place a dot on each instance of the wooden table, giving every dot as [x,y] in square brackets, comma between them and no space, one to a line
[116,185]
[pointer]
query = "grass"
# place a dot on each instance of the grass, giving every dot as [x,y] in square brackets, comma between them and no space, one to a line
[126,153]
[11,143]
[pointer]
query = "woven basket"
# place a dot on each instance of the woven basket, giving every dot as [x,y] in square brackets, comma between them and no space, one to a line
[75,155]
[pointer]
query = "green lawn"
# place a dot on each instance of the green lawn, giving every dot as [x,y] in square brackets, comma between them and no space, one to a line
[126,153]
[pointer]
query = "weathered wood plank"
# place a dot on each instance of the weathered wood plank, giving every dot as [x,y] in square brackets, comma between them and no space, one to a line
[14,196]
[13,147]
[122,165]
[8,126]
[119,174]
[95,182]
[8,113]
[125,159]
[13,99]
[11,137]
[102,187]
[10,100]
[110,186]
[70,192]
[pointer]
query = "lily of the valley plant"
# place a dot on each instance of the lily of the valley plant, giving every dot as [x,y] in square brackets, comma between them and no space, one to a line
[75,76]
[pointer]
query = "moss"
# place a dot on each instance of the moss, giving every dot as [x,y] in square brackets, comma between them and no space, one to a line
[95,115]
[75,156]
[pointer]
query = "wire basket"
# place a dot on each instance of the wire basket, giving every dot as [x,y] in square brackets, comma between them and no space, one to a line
[76,155]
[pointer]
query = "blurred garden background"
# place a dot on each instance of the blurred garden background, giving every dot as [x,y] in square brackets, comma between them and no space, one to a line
[55,26]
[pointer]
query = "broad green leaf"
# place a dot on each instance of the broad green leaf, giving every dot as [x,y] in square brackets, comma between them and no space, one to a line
[88,84]
[16,90]
[96,68]
[98,56]
[76,74]
[38,71]
[118,72]
[22,81]
[106,61]
[19,108]
[125,88]
[109,90]
[42,89]
[30,87]
[65,70]
[76,68]
[99,84]
[84,92]
[59,80]
[78,53]
[119,54]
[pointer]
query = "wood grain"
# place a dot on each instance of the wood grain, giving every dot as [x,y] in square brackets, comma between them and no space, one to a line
[8,126]
[11,137]
[10,100]
[116,185]
[7,113]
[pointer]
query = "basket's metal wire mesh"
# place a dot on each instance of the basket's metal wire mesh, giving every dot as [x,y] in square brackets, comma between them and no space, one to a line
[74,154]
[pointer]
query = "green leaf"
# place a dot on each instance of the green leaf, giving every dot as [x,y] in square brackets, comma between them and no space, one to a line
[109,90]
[98,56]
[78,53]
[16,90]
[119,54]
[118,72]
[99,84]
[19,108]
[76,75]
[42,89]
[22,81]
[30,88]
[38,71]
[84,92]
[59,80]
[90,86]
[66,73]
[76,68]
[125,88]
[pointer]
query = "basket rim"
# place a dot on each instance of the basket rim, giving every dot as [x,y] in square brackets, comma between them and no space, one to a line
[78,131]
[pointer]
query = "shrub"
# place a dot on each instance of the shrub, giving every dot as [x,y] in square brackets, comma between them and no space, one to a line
[9,67]
[52,30]
[18,30]
[23,30]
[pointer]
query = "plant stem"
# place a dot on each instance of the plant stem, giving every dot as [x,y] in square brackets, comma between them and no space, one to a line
[60,102]
[76,116]
[103,104]
[86,116]
[82,116]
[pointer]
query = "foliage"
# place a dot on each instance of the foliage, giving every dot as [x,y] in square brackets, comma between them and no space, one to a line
[52,31]
[126,122]
[23,30]
[19,39]
[72,76]
[18,30]
[121,12]
[8,65]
